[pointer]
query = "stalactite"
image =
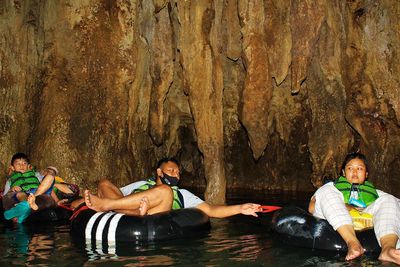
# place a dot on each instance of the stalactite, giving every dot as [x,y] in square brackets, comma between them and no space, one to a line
[265,95]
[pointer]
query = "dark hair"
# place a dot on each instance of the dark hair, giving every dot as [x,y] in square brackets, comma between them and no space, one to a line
[167,159]
[354,155]
[19,155]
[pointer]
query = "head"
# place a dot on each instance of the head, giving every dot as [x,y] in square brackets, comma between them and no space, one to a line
[355,168]
[168,171]
[20,162]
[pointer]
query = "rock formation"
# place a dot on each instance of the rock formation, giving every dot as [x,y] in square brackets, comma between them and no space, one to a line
[255,95]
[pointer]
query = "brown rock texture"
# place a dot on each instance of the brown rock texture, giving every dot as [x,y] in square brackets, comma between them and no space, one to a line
[256,95]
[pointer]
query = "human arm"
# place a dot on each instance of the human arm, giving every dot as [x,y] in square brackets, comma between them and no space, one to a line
[55,197]
[57,200]
[311,205]
[16,189]
[6,187]
[222,211]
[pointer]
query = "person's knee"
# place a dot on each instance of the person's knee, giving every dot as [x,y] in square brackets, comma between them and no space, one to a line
[387,199]
[164,190]
[328,192]
[49,178]
[21,196]
[387,202]
[104,183]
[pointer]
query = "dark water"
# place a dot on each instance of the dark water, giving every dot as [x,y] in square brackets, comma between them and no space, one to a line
[236,241]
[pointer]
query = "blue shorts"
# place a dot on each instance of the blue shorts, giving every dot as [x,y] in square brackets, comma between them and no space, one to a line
[33,191]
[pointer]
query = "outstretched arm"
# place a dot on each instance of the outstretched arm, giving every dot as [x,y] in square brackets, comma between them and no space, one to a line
[222,211]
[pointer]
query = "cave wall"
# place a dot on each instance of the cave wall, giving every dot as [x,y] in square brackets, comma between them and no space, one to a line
[267,95]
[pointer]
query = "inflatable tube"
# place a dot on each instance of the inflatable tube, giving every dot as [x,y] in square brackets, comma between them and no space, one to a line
[116,227]
[56,214]
[299,228]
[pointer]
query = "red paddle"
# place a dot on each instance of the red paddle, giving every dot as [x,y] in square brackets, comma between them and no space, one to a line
[266,209]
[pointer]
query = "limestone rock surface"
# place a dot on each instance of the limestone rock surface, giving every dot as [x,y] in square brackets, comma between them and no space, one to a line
[256,95]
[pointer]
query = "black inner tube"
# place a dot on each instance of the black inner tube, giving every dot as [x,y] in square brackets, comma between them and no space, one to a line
[116,227]
[299,228]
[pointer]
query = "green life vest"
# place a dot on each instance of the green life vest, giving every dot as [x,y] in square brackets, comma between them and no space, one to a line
[26,180]
[178,198]
[366,191]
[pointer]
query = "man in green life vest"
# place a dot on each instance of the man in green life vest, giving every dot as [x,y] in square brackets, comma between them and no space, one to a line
[159,194]
[23,188]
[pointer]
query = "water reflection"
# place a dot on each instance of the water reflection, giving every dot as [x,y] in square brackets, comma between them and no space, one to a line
[244,247]
[16,242]
[25,247]
[32,245]
[239,241]
[40,249]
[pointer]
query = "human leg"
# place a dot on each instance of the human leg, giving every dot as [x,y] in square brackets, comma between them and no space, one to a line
[329,205]
[386,218]
[41,202]
[21,196]
[64,188]
[389,251]
[45,185]
[354,247]
[106,189]
[43,189]
[159,199]
[9,200]
[143,206]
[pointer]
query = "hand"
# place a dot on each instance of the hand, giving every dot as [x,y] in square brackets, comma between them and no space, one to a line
[250,209]
[16,189]
[62,202]
[10,170]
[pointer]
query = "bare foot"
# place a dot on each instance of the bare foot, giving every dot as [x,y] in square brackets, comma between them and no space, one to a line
[354,250]
[32,202]
[391,254]
[94,202]
[143,206]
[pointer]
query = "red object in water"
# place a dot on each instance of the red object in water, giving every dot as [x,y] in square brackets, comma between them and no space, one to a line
[78,210]
[266,209]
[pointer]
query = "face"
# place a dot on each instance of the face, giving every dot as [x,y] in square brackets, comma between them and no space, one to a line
[20,165]
[355,171]
[169,168]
